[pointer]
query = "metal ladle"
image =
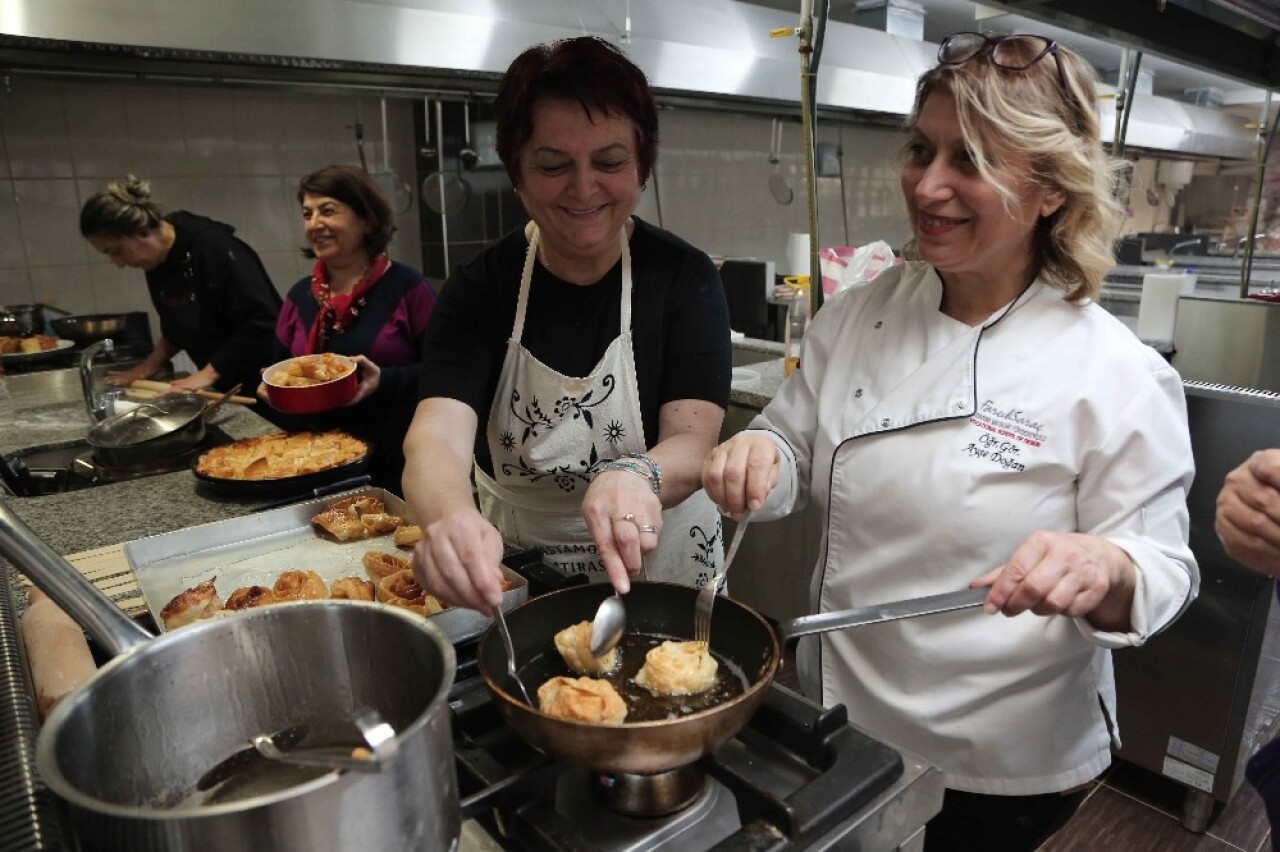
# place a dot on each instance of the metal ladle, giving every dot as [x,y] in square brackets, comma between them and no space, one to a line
[378,736]
[778,186]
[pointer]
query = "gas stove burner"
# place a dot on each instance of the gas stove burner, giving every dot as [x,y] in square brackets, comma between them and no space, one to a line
[657,795]
[649,795]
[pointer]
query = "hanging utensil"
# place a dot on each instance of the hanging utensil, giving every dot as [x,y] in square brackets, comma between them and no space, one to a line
[778,186]
[444,192]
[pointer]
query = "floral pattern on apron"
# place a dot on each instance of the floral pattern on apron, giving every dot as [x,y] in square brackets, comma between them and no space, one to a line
[549,435]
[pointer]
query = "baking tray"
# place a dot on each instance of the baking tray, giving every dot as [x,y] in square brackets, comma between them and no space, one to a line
[262,489]
[255,549]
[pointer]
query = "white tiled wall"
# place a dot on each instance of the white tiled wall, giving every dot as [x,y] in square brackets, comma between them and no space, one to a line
[713,175]
[233,154]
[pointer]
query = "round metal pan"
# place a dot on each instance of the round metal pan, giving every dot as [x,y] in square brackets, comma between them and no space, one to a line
[267,489]
[741,636]
[87,328]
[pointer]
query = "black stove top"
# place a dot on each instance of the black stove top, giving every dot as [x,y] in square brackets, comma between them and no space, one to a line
[789,778]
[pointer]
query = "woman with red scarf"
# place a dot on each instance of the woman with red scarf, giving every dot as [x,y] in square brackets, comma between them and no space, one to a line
[360,303]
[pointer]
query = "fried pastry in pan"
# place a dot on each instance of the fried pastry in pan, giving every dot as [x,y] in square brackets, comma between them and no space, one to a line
[582,699]
[574,645]
[678,668]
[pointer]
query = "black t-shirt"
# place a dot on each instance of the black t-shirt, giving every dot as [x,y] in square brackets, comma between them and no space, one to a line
[679,321]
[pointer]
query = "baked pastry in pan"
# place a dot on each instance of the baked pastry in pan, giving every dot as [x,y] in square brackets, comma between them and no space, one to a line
[280,455]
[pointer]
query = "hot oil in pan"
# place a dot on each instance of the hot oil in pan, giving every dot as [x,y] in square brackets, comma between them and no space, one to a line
[642,705]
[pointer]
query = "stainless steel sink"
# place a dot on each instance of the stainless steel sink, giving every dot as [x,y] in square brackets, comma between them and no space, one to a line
[56,387]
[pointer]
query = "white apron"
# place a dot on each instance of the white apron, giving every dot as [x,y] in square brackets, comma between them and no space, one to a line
[549,434]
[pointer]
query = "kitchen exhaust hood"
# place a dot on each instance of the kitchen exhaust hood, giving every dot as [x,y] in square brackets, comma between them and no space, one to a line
[700,50]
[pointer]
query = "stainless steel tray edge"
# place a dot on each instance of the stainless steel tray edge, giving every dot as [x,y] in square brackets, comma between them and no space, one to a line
[255,548]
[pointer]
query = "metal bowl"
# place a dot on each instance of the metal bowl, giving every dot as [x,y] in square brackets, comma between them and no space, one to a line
[87,328]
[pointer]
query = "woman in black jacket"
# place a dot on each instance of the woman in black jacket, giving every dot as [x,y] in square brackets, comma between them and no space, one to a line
[209,288]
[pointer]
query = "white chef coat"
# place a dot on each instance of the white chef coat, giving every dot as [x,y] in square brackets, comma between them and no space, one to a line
[934,449]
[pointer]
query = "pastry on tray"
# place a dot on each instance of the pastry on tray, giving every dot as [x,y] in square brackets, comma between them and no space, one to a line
[200,601]
[401,589]
[351,589]
[246,597]
[354,518]
[300,586]
[407,535]
[379,565]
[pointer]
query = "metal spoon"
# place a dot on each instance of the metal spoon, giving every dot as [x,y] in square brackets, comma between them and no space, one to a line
[607,626]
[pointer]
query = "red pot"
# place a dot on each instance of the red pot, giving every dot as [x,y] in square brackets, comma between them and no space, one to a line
[313,398]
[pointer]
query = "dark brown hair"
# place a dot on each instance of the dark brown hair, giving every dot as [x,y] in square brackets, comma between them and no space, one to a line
[123,209]
[588,70]
[353,187]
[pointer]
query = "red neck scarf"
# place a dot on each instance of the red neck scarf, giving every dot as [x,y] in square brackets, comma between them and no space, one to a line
[337,311]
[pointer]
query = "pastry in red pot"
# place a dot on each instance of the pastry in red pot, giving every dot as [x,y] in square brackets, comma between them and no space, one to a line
[310,384]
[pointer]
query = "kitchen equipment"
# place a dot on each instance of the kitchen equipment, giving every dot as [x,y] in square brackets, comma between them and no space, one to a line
[379,741]
[778,186]
[707,594]
[25,320]
[313,398]
[607,625]
[280,487]
[87,328]
[125,750]
[511,656]
[166,426]
[255,549]
[59,347]
[746,643]
[446,193]
[159,388]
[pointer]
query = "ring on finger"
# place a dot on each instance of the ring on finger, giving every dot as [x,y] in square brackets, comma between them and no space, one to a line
[644,528]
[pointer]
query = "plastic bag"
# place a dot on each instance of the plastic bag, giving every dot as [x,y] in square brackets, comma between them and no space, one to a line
[848,266]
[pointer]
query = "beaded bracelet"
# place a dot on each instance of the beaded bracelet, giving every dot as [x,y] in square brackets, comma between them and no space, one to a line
[654,470]
[633,467]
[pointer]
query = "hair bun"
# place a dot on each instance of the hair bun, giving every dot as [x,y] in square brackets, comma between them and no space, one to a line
[131,190]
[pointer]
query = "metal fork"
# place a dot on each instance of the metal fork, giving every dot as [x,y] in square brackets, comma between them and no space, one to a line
[707,594]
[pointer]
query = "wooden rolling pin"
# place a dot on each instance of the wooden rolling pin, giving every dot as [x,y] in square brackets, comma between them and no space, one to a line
[165,387]
[56,650]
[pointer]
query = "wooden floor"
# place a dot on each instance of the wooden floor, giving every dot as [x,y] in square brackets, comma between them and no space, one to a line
[1133,810]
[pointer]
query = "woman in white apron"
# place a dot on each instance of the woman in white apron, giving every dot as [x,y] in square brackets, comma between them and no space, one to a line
[579,367]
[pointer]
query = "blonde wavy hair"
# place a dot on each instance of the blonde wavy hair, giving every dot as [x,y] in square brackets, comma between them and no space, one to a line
[123,209]
[1023,125]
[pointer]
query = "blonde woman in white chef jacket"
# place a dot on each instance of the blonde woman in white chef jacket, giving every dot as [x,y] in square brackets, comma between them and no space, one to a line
[973,418]
[582,361]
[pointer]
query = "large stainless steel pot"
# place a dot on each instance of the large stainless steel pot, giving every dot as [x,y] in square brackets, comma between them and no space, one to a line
[162,428]
[87,328]
[126,750]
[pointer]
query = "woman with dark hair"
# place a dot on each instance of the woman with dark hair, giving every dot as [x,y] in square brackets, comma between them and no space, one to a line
[581,365]
[211,292]
[358,302]
[974,418]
